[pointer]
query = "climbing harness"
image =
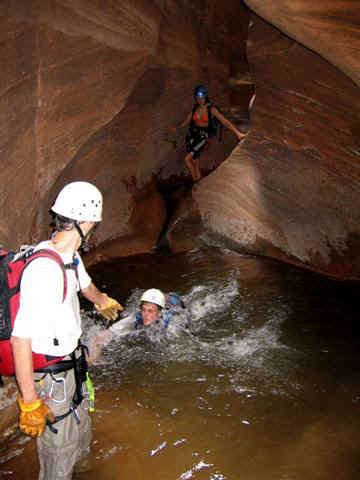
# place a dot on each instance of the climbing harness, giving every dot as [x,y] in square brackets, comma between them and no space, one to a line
[197,140]
[80,366]
[54,382]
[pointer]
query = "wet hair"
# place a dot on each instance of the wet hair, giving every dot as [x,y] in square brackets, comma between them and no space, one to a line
[60,223]
[152,303]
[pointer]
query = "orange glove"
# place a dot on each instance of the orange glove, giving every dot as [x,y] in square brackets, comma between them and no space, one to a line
[110,310]
[33,417]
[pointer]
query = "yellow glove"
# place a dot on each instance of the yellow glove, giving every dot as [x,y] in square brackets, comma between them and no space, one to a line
[110,310]
[33,417]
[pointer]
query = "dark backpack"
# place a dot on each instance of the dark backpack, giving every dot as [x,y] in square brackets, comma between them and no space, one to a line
[11,269]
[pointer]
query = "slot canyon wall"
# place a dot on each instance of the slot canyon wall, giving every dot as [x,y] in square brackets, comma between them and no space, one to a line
[296,196]
[88,91]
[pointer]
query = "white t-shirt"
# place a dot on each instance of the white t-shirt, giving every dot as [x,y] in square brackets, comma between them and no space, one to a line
[42,314]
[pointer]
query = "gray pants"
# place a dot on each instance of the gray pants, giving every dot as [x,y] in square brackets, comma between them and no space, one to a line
[58,452]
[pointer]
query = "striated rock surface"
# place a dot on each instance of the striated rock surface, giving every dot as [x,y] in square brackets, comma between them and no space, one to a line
[330,28]
[87,92]
[186,230]
[63,79]
[291,190]
[148,215]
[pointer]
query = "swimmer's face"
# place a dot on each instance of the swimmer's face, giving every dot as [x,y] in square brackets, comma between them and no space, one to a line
[149,312]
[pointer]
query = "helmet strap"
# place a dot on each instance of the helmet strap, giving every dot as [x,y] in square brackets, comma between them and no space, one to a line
[84,247]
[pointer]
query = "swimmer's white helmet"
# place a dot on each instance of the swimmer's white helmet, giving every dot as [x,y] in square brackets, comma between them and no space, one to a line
[154,296]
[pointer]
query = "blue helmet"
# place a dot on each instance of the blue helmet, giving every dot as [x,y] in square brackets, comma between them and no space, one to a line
[200,91]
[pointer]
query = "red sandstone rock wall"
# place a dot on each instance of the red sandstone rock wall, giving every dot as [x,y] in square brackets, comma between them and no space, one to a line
[87,92]
[329,27]
[88,89]
[291,190]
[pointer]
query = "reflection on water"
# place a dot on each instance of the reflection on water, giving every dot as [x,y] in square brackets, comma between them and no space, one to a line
[262,383]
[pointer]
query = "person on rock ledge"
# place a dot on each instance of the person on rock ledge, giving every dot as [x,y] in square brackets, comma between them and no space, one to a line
[202,121]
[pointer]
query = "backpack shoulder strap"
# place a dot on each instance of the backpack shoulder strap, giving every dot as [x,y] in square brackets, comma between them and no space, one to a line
[47,253]
[215,120]
[166,318]
[138,319]
[210,115]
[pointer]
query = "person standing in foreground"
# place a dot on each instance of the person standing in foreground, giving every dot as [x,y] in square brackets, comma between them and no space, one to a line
[50,324]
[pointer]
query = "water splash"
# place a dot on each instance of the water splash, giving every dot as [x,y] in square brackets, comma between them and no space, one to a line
[218,328]
[196,468]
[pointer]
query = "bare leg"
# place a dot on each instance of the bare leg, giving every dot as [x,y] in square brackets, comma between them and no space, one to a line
[197,169]
[189,162]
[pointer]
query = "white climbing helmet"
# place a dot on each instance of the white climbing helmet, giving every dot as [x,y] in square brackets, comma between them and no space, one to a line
[154,296]
[79,201]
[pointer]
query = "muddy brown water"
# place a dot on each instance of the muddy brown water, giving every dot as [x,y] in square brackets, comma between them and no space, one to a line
[262,384]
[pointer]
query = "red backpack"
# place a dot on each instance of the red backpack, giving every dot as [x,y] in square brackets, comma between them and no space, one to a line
[11,269]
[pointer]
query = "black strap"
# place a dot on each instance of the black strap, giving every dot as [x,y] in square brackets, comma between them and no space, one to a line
[80,367]
[210,117]
[58,419]
[212,125]
[58,367]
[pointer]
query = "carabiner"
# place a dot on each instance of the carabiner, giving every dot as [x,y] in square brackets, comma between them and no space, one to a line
[54,381]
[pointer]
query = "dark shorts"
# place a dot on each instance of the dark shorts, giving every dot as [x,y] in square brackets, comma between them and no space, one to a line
[197,140]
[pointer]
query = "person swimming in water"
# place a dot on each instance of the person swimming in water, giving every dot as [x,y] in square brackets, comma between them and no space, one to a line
[155,311]
[156,308]
[201,121]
